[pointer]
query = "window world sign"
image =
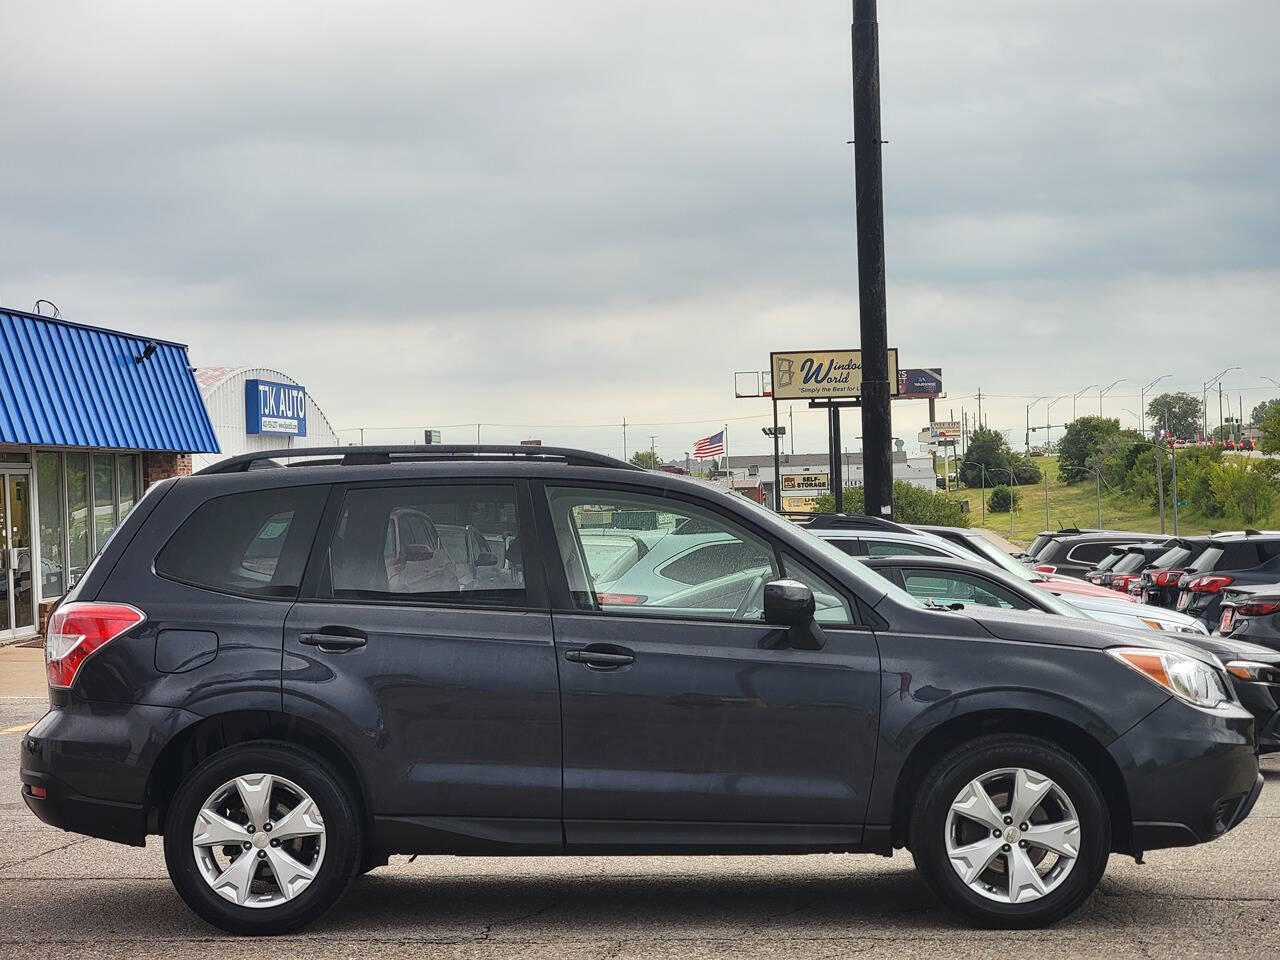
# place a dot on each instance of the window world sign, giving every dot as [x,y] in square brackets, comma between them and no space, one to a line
[271,407]
[823,374]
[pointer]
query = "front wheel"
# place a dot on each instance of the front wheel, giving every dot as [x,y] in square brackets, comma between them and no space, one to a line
[1011,831]
[262,838]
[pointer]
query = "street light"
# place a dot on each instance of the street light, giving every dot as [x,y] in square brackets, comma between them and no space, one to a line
[1274,381]
[1028,438]
[1104,391]
[983,468]
[1204,399]
[1142,402]
[1077,396]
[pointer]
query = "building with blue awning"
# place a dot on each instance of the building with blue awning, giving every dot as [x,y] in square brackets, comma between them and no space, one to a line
[88,419]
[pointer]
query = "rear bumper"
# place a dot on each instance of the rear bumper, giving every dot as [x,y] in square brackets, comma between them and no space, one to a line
[93,764]
[1191,774]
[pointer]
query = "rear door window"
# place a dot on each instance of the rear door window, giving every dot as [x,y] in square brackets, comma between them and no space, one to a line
[254,543]
[894,548]
[1089,552]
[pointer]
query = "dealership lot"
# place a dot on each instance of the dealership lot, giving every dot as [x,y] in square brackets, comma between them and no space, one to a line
[64,895]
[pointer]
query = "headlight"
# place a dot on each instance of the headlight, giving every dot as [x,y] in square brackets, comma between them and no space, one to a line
[1252,670]
[1185,677]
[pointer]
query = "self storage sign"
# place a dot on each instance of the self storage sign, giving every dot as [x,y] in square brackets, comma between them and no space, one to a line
[272,407]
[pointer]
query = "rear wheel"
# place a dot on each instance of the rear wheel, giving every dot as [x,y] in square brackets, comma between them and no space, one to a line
[262,838]
[1011,831]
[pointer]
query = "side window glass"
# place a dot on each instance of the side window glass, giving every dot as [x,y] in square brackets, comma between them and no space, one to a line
[830,605]
[889,548]
[640,554]
[408,544]
[253,543]
[944,588]
[847,546]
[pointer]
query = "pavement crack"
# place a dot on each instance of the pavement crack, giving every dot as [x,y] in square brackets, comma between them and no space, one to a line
[31,859]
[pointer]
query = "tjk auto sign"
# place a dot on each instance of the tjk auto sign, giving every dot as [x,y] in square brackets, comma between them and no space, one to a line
[271,407]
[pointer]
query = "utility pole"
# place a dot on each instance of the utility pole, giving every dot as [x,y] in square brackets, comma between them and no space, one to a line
[877,431]
[1173,457]
[624,438]
[1204,399]
[1027,439]
[1220,423]
[979,406]
[653,456]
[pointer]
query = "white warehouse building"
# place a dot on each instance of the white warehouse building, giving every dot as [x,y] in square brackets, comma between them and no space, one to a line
[256,408]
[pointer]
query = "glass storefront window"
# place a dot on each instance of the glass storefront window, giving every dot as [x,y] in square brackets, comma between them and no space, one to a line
[77,515]
[127,468]
[49,494]
[104,498]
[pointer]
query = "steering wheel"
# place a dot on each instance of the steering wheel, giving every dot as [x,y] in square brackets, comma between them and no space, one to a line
[754,592]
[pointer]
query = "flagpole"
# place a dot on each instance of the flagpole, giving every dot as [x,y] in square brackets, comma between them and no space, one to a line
[727,468]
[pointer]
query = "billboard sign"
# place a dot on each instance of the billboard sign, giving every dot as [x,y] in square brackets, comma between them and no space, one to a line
[919,383]
[805,481]
[945,430]
[272,407]
[823,374]
[800,504]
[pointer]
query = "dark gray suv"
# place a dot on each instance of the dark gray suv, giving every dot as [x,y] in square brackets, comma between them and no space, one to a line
[286,674]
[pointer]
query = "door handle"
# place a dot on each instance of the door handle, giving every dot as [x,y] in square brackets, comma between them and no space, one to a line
[334,642]
[602,659]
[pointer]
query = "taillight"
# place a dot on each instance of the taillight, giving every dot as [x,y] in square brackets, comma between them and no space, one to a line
[1045,568]
[1258,608]
[623,599]
[1121,582]
[76,630]
[1210,584]
[1168,578]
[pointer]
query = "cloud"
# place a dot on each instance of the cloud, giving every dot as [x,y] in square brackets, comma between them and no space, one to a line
[572,212]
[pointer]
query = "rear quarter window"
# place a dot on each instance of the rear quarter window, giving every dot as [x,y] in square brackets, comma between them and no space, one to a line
[254,543]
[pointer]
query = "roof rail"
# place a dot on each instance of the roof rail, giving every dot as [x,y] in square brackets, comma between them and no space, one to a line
[421,453]
[856,521]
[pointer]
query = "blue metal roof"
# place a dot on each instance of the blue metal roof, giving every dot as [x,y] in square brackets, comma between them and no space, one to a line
[66,384]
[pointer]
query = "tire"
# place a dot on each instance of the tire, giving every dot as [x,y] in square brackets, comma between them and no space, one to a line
[255,902]
[984,899]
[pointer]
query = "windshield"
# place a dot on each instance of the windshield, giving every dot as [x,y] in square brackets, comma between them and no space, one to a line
[991,552]
[831,555]
[1131,561]
[1171,558]
[1107,562]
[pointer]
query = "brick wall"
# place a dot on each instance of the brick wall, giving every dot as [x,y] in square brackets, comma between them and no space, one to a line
[159,465]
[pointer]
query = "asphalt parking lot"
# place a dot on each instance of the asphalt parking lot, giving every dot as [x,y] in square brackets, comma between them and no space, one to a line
[66,896]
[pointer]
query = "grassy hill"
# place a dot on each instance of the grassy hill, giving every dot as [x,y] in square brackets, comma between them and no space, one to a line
[1077,506]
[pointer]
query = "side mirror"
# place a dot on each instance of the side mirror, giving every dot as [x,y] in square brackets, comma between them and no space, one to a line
[417,552]
[787,603]
[486,560]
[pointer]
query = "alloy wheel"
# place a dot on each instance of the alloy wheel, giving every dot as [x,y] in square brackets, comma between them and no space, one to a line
[258,840]
[1012,835]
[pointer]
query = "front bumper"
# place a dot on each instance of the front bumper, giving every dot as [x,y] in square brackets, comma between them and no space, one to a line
[1191,774]
[93,763]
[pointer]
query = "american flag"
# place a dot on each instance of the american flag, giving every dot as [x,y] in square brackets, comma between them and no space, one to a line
[707,447]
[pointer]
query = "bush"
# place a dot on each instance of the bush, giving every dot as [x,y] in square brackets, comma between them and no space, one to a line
[910,505]
[1003,499]
[1025,470]
[1245,494]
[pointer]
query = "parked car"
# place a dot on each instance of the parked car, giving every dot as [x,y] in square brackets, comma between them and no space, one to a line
[285,734]
[1252,614]
[1073,553]
[1232,559]
[974,543]
[1158,583]
[1254,669]
[989,586]
[1129,562]
[477,563]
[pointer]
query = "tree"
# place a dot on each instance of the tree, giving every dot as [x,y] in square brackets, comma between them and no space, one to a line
[910,505]
[1263,410]
[646,460]
[1181,412]
[988,448]
[1085,439]
[1270,427]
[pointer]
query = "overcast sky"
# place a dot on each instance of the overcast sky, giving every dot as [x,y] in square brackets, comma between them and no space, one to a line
[556,214]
